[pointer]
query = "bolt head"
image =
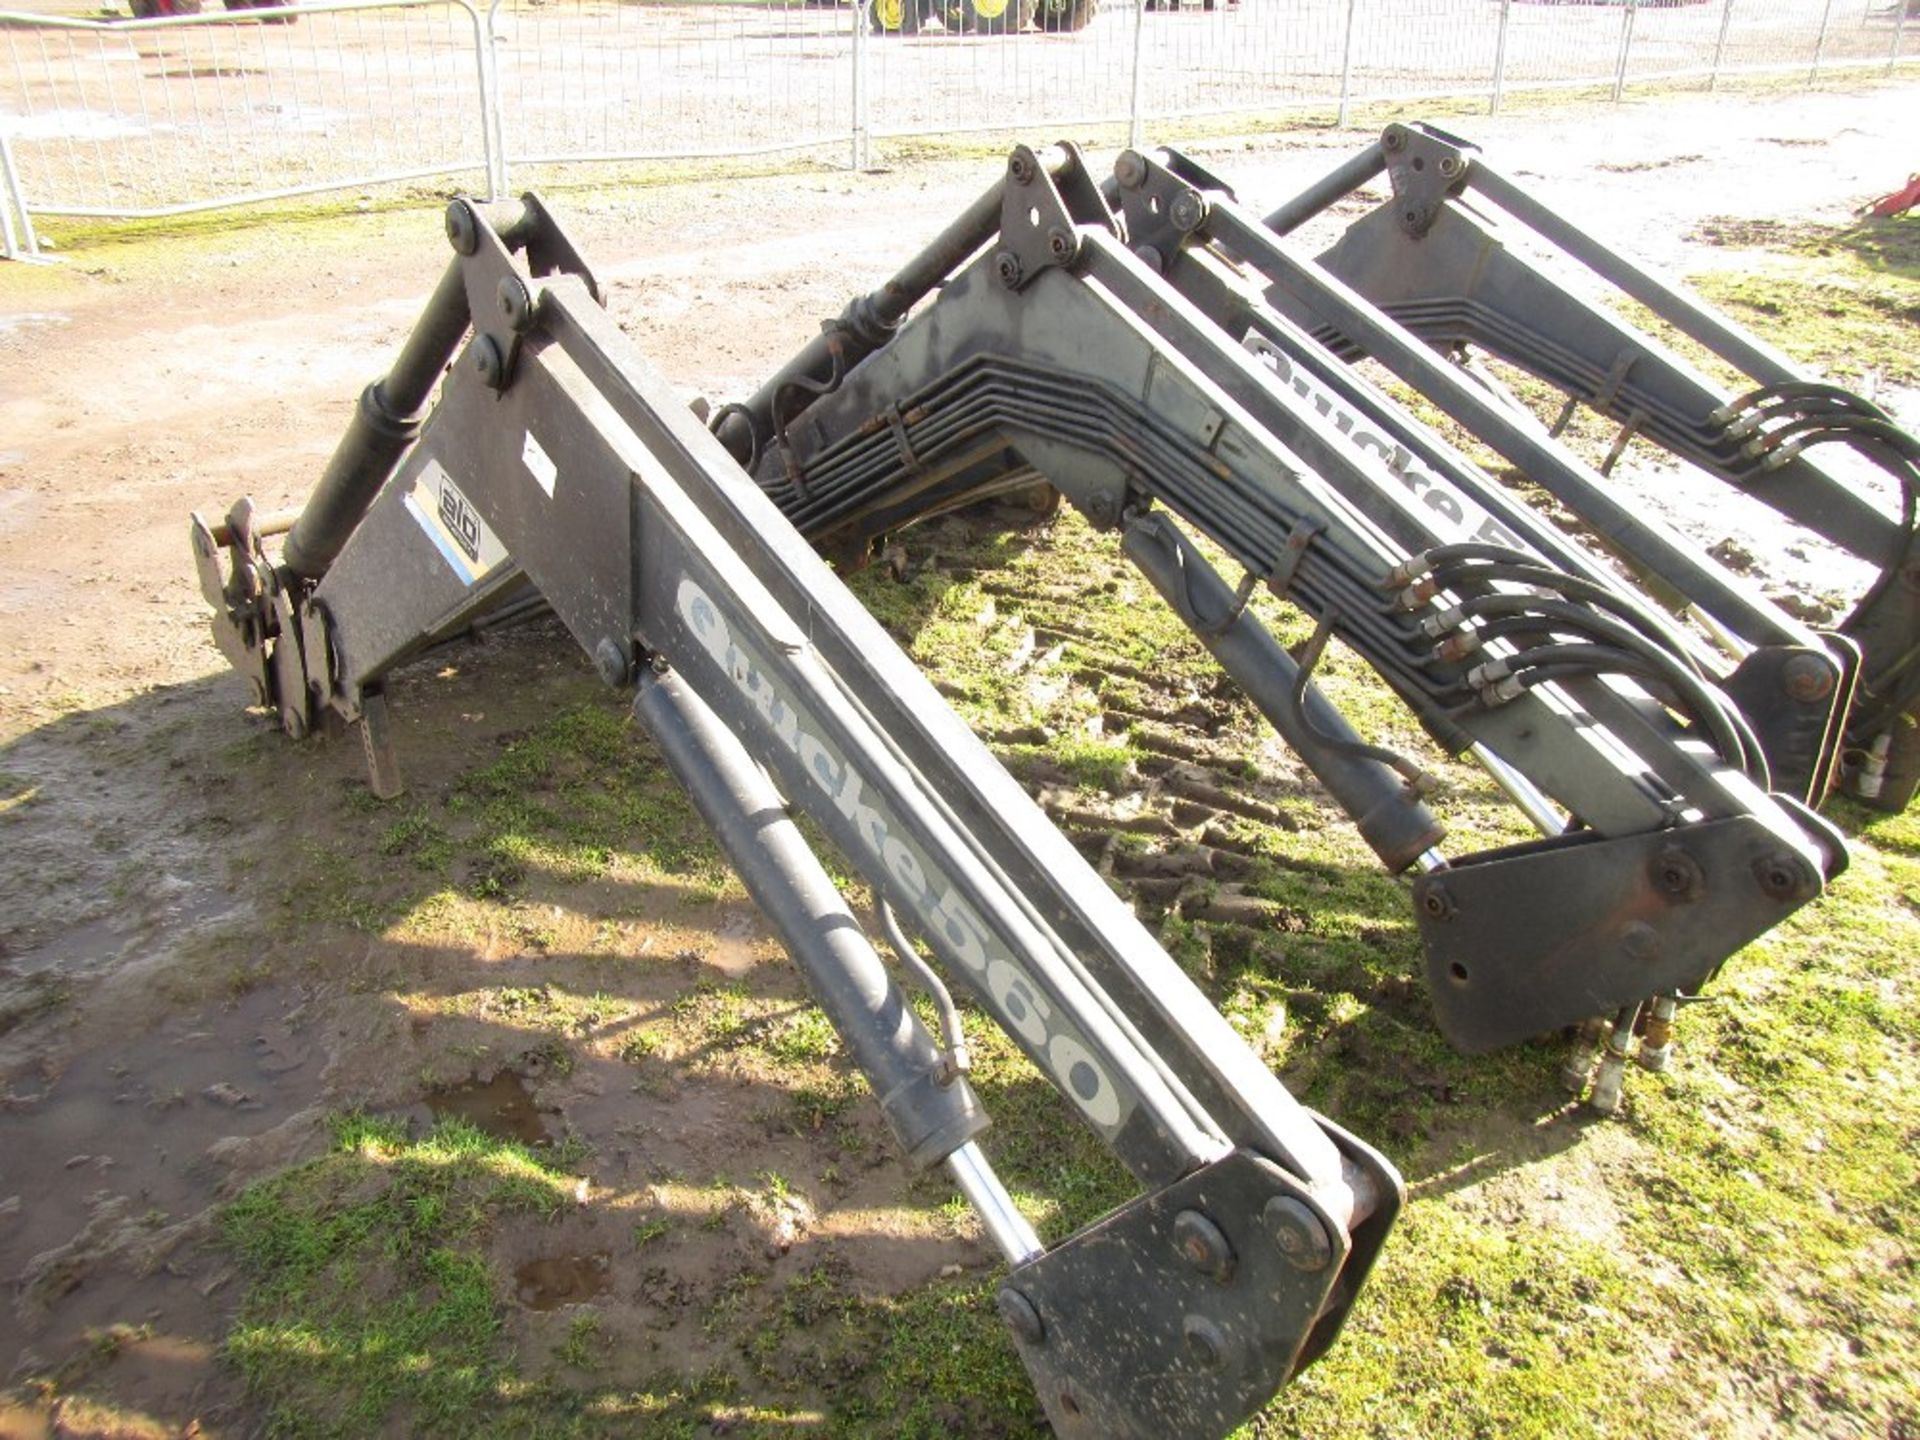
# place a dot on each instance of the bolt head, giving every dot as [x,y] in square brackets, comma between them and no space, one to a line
[1808,678]
[1203,1245]
[1784,877]
[1394,137]
[1678,874]
[515,304]
[1007,266]
[488,362]
[1436,902]
[1130,170]
[1206,1343]
[1297,1231]
[1020,167]
[1187,211]
[463,231]
[1061,244]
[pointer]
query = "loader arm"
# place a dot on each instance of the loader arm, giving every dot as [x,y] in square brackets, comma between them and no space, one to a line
[557,465]
[1051,346]
[1433,262]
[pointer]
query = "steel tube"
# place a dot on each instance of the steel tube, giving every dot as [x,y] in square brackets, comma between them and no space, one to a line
[1005,1225]
[1530,798]
[1685,314]
[1543,462]
[868,322]
[384,424]
[899,1058]
[1343,180]
[1389,816]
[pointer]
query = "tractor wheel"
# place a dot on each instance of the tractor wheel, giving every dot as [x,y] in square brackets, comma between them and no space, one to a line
[894,17]
[1060,15]
[993,17]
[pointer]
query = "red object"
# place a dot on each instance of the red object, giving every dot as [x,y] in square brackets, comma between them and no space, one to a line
[1899,202]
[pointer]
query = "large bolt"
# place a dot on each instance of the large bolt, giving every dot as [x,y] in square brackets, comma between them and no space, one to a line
[1007,266]
[610,660]
[1678,874]
[1060,243]
[489,363]
[1298,1232]
[1203,1245]
[1394,137]
[1020,167]
[515,303]
[1187,211]
[1437,903]
[1449,165]
[1783,876]
[1206,1342]
[1020,1315]
[1130,170]
[1808,678]
[463,231]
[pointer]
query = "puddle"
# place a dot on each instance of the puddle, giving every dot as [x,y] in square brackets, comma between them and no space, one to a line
[553,1281]
[500,1106]
[32,320]
[135,1119]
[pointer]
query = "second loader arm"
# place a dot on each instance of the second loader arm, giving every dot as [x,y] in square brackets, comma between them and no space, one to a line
[1049,342]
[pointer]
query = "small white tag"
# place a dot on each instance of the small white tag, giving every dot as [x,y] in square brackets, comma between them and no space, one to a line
[454,526]
[539,463]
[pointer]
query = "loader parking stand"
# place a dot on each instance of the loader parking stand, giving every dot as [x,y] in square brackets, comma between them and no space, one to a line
[1328,458]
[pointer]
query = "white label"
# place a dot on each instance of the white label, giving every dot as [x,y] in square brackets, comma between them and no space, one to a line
[932,898]
[1451,515]
[454,526]
[539,464]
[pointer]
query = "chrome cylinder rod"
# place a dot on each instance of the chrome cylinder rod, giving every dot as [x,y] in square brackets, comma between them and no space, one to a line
[1005,1224]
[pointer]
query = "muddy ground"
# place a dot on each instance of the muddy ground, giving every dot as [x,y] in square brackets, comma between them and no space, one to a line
[189,987]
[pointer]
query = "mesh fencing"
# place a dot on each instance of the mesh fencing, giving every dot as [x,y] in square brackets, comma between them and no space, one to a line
[194,111]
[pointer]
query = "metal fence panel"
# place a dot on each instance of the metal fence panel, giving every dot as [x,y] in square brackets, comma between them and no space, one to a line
[162,116]
[193,112]
[656,79]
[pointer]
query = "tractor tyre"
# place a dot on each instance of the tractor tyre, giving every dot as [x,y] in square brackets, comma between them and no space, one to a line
[992,17]
[894,17]
[1056,16]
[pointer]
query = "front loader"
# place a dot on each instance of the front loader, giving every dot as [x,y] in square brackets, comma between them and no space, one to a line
[1117,339]
[557,469]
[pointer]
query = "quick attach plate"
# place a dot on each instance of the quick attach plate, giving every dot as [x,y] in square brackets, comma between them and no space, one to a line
[1525,940]
[1178,1316]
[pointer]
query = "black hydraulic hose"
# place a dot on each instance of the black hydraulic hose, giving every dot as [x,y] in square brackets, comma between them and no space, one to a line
[1563,613]
[1728,730]
[1819,391]
[1526,569]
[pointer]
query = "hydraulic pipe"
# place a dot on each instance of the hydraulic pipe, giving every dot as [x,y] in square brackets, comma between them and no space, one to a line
[869,320]
[1390,817]
[384,424]
[932,1112]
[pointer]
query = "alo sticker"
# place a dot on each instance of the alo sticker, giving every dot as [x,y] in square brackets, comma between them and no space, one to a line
[454,526]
